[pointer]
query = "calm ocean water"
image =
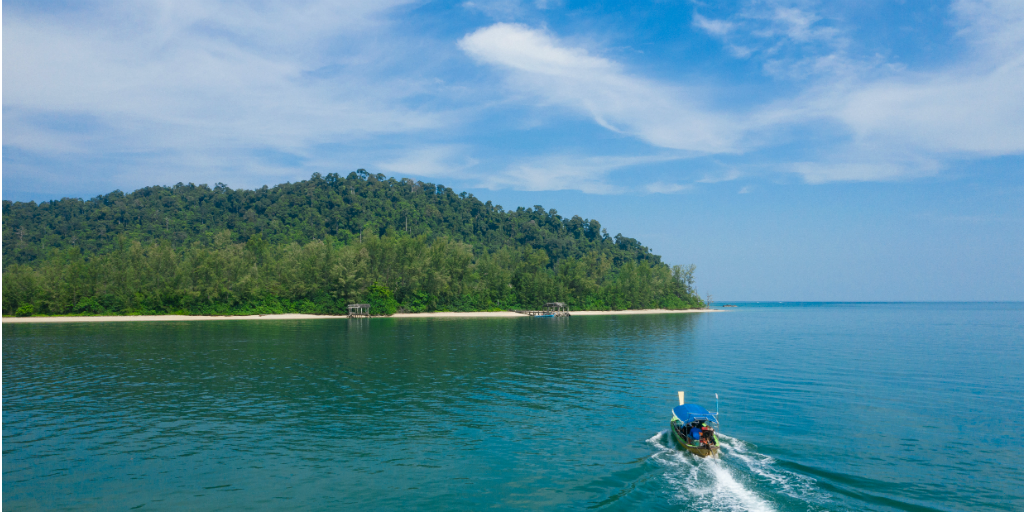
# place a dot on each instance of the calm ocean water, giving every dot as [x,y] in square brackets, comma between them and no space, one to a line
[823,407]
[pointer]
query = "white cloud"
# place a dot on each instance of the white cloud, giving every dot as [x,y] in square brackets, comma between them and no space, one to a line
[182,82]
[857,169]
[566,172]
[546,4]
[947,112]
[660,187]
[908,124]
[668,116]
[798,25]
[713,27]
[901,124]
[793,42]
[898,127]
[730,175]
[431,161]
[739,51]
[226,90]
[497,9]
[996,27]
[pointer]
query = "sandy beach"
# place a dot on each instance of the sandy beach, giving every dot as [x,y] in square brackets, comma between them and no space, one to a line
[299,316]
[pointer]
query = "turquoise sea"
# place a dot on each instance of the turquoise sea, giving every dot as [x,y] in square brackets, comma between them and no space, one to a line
[824,406]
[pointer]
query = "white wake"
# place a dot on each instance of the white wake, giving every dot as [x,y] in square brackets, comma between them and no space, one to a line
[730,483]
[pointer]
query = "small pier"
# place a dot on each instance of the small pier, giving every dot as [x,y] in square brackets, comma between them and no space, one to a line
[358,310]
[557,309]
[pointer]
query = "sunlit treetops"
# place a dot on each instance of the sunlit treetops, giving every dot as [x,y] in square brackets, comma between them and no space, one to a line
[314,245]
[360,204]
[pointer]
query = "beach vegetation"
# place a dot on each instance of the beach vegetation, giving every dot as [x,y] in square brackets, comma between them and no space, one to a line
[382,303]
[314,247]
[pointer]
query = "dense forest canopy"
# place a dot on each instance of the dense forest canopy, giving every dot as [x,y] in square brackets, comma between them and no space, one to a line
[314,246]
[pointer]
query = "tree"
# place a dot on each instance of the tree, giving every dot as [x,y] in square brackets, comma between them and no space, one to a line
[315,246]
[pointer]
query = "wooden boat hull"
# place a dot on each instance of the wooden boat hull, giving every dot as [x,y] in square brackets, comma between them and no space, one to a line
[699,451]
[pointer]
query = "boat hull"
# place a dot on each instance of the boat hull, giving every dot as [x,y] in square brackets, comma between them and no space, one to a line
[699,451]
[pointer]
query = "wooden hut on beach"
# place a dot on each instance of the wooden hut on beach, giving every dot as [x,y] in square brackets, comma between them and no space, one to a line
[550,309]
[358,310]
[556,309]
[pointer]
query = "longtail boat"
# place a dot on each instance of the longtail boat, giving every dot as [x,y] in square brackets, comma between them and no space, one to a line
[693,427]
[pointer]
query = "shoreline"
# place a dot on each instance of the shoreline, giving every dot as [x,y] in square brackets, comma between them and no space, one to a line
[302,316]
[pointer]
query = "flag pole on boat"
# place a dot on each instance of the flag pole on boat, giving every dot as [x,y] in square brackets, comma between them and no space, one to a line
[681,397]
[716,406]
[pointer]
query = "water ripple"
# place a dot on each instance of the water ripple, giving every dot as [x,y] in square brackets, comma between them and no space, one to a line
[822,409]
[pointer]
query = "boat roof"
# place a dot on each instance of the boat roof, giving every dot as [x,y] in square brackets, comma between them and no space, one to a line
[692,412]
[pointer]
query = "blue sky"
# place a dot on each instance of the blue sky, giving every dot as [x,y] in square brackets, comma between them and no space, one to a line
[792,150]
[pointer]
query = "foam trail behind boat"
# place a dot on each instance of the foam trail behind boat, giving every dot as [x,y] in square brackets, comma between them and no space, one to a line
[788,483]
[705,484]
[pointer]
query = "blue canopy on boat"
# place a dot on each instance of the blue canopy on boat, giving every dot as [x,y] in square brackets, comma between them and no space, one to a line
[692,412]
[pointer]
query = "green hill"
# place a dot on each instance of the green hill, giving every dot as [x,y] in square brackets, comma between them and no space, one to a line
[315,246]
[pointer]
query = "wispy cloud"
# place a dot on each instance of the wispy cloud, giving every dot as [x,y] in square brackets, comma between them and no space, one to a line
[567,172]
[215,82]
[995,27]
[893,125]
[432,161]
[718,28]
[497,9]
[730,175]
[797,24]
[250,93]
[558,74]
[790,39]
[660,187]
[860,169]
[909,124]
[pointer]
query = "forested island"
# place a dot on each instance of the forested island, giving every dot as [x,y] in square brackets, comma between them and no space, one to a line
[315,246]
